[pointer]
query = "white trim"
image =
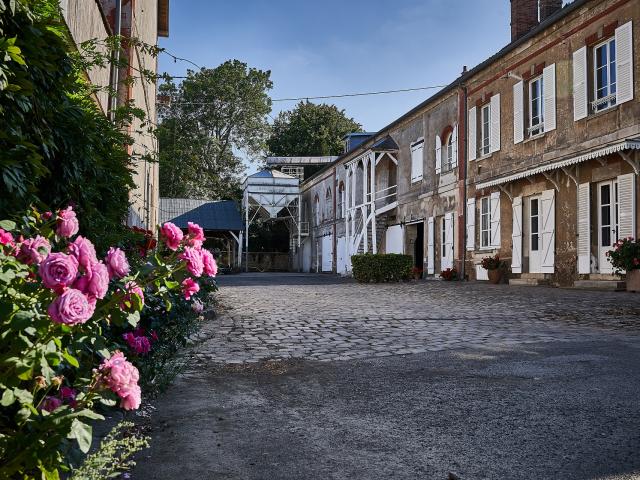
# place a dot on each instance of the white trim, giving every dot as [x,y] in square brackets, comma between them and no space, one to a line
[633,144]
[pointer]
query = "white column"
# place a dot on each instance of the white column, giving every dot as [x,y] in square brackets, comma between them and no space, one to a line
[365,208]
[240,249]
[374,227]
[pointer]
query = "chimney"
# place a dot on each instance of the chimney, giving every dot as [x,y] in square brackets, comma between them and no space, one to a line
[549,7]
[524,16]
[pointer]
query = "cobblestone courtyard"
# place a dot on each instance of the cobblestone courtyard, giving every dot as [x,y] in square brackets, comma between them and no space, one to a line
[316,377]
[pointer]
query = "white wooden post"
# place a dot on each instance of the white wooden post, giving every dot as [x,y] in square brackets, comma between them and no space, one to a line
[374,232]
[365,212]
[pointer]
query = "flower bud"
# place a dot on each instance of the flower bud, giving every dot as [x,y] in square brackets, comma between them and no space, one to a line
[41,382]
[57,381]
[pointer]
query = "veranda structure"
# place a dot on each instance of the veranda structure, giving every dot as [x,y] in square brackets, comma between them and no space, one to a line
[275,196]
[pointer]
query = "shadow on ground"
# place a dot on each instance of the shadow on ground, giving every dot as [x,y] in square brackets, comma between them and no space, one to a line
[547,411]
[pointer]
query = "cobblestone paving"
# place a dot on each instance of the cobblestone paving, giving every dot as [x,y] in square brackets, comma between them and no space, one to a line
[326,318]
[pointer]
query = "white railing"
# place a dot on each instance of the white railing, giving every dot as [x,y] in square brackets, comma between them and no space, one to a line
[386,196]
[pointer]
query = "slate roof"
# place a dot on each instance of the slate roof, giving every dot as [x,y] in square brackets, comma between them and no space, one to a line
[386,144]
[222,215]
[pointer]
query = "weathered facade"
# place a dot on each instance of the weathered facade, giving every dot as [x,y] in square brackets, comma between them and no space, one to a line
[554,128]
[144,20]
[549,131]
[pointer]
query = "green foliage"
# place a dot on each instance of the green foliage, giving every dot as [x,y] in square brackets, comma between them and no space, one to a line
[625,255]
[389,267]
[57,147]
[114,456]
[208,117]
[310,129]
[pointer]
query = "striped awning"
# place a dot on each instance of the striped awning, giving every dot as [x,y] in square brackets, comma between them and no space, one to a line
[631,144]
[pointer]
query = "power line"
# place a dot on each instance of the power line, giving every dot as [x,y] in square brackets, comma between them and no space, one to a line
[176,58]
[324,97]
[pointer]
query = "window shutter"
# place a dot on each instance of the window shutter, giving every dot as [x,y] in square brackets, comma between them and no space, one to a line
[495,220]
[516,236]
[495,123]
[580,96]
[518,112]
[471,224]
[455,146]
[627,205]
[549,97]
[548,230]
[448,241]
[438,154]
[472,141]
[430,246]
[584,229]
[416,162]
[624,63]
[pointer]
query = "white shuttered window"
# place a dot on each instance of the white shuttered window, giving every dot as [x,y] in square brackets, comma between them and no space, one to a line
[471,224]
[495,219]
[549,97]
[624,63]
[580,95]
[472,141]
[495,123]
[518,112]
[417,150]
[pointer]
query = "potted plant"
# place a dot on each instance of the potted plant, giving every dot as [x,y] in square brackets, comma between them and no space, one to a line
[494,267]
[417,273]
[449,274]
[625,257]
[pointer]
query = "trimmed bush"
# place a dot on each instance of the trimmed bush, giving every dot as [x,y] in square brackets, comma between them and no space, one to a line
[388,267]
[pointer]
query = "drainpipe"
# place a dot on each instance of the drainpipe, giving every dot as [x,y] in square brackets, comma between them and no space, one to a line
[115,60]
[464,179]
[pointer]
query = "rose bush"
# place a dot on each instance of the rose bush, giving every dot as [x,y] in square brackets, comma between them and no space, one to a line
[66,315]
[625,255]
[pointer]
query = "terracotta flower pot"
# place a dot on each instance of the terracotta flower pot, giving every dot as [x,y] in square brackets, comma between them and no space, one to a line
[633,281]
[494,276]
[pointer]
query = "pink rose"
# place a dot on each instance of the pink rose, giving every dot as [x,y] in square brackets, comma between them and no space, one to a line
[210,264]
[131,288]
[171,235]
[196,235]
[197,306]
[84,251]
[189,288]
[95,282]
[67,223]
[47,216]
[68,395]
[6,238]
[71,308]
[121,377]
[58,270]
[117,263]
[193,258]
[34,250]
[132,399]
[49,404]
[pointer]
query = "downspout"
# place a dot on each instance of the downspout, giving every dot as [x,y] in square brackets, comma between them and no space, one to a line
[464,179]
[115,60]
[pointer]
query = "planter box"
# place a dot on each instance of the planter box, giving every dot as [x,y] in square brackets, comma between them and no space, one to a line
[494,276]
[633,281]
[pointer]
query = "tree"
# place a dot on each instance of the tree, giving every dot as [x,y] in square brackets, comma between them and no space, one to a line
[212,116]
[309,130]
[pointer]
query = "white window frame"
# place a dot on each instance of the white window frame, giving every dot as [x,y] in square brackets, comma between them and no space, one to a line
[609,100]
[485,201]
[443,238]
[484,149]
[538,128]
[447,165]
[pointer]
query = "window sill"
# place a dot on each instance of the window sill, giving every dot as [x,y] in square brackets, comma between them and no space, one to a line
[602,112]
[484,157]
[532,138]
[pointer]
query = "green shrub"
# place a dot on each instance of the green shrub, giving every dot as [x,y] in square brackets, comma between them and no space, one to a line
[389,267]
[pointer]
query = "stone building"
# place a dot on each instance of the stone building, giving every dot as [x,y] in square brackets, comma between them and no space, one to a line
[549,131]
[145,20]
[553,133]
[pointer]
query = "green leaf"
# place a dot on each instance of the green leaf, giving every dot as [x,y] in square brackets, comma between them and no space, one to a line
[8,225]
[133,319]
[23,396]
[82,433]
[71,360]
[7,398]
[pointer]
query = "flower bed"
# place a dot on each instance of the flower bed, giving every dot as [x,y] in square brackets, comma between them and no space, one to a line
[77,331]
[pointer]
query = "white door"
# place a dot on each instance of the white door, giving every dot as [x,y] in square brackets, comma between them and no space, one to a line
[607,222]
[342,263]
[447,242]
[535,244]
[394,239]
[327,253]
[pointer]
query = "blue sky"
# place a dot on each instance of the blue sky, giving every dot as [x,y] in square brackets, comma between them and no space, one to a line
[336,47]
